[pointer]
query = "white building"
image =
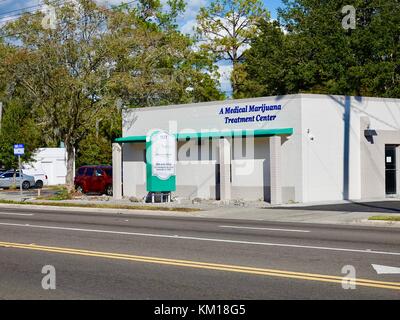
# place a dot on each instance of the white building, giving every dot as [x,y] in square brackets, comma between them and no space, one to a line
[298,148]
[51,162]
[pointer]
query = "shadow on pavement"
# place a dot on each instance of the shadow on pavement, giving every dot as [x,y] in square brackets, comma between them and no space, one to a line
[377,206]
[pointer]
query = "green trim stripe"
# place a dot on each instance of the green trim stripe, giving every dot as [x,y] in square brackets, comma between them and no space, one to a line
[227,133]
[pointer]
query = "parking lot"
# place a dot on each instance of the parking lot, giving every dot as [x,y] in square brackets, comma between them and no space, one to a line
[8,194]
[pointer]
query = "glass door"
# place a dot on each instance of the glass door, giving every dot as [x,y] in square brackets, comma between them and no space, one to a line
[390,169]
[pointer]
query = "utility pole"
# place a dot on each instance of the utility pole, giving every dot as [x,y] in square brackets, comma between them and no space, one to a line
[20,175]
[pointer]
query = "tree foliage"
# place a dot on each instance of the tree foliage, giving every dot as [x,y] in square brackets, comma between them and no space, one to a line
[225,28]
[310,51]
[154,64]
[95,147]
[96,61]
[17,126]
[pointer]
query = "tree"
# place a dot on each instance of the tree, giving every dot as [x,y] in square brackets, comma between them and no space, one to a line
[17,126]
[316,54]
[98,60]
[156,65]
[96,146]
[226,26]
[268,65]
[63,70]
[3,77]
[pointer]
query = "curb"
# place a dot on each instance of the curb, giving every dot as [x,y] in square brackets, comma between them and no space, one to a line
[94,210]
[201,215]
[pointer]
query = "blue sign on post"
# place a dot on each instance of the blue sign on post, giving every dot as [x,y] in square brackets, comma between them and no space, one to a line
[19,149]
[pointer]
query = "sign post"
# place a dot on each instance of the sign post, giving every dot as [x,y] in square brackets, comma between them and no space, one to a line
[19,150]
[161,163]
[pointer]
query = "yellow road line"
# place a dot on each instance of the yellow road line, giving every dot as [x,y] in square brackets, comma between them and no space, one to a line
[205,265]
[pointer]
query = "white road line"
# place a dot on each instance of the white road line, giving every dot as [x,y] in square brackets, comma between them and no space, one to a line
[204,239]
[385,269]
[17,214]
[268,229]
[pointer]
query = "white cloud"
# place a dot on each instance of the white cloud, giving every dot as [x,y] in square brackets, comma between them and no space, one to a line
[192,9]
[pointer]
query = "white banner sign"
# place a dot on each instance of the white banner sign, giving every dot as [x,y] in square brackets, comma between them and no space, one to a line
[163,155]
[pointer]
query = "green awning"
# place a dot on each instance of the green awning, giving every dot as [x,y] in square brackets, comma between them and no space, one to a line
[131,139]
[219,134]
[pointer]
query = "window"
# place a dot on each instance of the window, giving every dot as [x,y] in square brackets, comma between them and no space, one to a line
[10,175]
[89,172]
[99,173]
[108,172]
[81,171]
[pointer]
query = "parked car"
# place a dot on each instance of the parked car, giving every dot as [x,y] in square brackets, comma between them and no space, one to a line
[7,180]
[40,176]
[97,179]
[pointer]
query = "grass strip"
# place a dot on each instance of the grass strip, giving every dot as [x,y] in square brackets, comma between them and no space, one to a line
[384,218]
[98,205]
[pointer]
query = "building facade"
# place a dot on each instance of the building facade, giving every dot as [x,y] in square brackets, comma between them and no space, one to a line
[49,161]
[294,148]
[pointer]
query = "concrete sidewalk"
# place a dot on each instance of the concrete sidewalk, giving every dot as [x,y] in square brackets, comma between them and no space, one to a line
[299,216]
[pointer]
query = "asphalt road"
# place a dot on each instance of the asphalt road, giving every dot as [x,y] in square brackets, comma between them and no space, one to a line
[134,256]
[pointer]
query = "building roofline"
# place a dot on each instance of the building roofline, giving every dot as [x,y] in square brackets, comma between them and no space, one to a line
[260,99]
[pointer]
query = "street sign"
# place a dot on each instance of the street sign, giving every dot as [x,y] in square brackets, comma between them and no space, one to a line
[19,149]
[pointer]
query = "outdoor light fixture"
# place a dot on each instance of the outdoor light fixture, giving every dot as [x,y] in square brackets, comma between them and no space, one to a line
[369,134]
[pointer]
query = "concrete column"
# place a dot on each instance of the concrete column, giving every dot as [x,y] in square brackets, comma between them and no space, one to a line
[275,169]
[117,170]
[225,169]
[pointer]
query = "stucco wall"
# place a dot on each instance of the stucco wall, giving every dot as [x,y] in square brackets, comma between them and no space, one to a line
[330,148]
[326,158]
[134,169]
[339,163]
[196,175]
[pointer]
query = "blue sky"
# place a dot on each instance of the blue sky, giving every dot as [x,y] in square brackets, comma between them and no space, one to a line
[186,22]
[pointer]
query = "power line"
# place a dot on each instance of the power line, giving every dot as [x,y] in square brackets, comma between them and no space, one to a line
[34,9]
[5,16]
[20,9]
[23,10]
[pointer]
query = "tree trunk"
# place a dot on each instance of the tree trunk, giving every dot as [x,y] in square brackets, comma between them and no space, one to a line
[234,82]
[70,167]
